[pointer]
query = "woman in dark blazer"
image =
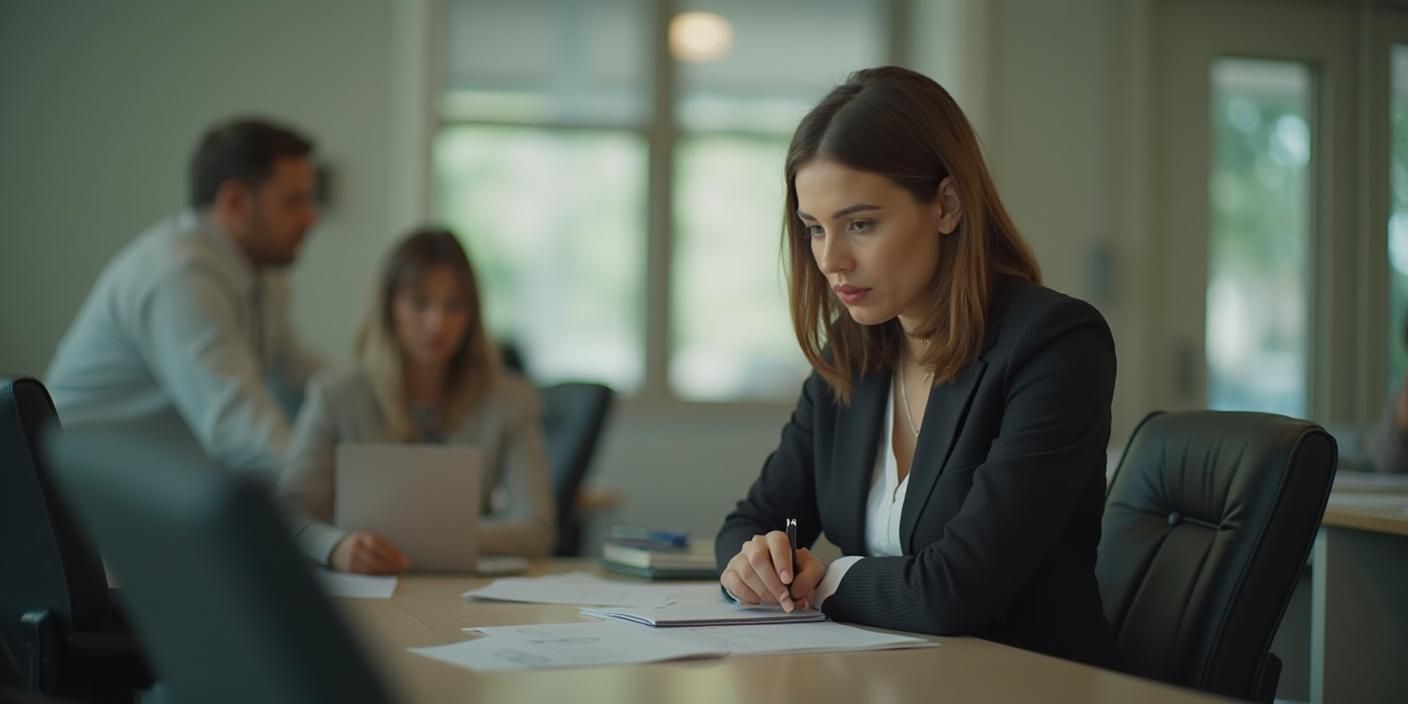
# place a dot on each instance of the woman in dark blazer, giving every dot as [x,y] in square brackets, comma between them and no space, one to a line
[951,440]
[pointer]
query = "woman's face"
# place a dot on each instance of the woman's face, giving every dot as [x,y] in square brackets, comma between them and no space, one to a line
[430,317]
[876,245]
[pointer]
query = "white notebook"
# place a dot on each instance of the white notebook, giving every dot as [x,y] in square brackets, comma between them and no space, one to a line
[718,614]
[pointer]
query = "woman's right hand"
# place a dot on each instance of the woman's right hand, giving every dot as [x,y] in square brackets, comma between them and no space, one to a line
[367,553]
[762,572]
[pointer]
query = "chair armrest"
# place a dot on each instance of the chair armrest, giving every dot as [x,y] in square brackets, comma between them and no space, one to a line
[40,658]
[111,659]
[1268,679]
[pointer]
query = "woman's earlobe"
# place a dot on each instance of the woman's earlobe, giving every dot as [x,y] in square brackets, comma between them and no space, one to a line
[941,218]
[950,207]
[949,223]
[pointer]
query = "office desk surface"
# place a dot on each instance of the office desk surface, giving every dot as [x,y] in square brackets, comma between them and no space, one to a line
[428,610]
[1370,515]
[1359,574]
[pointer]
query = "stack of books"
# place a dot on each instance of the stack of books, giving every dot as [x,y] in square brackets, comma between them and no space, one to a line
[656,554]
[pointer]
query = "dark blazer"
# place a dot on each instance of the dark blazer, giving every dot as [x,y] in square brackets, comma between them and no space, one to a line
[1002,516]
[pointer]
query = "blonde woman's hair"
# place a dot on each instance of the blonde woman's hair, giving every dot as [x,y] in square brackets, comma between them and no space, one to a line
[474,365]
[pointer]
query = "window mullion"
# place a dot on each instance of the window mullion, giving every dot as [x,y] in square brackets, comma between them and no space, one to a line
[662,135]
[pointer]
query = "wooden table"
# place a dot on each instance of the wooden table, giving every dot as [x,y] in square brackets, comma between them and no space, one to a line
[1373,520]
[428,610]
[1359,600]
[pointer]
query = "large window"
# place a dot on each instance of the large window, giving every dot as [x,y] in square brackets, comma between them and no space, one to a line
[1398,220]
[560,254]
[552,142]
[1258,297]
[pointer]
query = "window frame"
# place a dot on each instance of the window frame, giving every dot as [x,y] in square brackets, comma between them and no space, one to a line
[661,131]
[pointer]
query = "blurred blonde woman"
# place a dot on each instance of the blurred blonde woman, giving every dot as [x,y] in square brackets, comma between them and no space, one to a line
[426,372]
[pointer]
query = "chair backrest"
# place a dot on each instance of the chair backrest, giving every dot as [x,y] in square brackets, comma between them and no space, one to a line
[574,415]
[1209,521]
[213,584]
[46,562]
[512,358]
[10,676]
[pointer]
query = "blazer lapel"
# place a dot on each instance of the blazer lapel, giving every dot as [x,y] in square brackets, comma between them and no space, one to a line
[858,427]
[943,418]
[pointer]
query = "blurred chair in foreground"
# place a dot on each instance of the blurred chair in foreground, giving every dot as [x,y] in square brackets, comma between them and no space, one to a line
[57,615]
[216,589]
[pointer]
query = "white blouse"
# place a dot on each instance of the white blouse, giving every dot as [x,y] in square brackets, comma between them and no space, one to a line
[882,509]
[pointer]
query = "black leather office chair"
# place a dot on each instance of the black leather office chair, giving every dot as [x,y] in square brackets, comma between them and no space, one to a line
[10,677]
[512,358]
[12,690]
[213,581]
[1208,522]
[574,415]
[57,615]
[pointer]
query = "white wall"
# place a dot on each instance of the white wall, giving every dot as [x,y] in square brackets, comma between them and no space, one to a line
[1058,94]
[1061,97]
[101,104]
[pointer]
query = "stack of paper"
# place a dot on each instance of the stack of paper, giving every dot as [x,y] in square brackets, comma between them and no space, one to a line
[659,562]
[718,613]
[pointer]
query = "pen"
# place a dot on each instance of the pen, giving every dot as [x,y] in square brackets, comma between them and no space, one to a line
[792,542]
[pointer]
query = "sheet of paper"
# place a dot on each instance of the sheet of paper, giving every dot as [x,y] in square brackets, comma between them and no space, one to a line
[357,586]
[566,645]
[583,589]
[717,613]
[796,638]
[618,643]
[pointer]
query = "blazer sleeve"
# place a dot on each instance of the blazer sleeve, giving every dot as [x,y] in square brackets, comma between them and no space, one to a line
[305,488]
[1052,437]
[787,486]
[527,525]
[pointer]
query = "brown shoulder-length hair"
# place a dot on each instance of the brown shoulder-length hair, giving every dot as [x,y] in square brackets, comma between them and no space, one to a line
[474,365]
[902,125]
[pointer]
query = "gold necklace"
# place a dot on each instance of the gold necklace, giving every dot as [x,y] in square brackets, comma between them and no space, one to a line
[904,395]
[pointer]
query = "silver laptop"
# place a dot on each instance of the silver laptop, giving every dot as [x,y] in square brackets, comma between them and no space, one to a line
[423,498]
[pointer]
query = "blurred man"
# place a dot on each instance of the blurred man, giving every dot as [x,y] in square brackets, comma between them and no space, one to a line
[187,326]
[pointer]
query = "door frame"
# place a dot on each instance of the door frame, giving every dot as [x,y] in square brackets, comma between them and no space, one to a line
[1322,35]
